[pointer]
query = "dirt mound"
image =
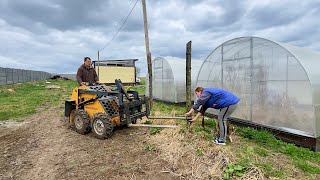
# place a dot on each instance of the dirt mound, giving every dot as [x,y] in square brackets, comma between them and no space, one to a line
[59,77]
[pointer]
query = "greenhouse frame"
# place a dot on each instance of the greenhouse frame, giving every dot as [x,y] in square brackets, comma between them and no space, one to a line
[169,79]
[278,84]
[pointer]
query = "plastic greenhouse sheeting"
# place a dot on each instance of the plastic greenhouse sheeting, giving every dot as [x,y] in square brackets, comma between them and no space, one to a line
[278,84]
[169,78]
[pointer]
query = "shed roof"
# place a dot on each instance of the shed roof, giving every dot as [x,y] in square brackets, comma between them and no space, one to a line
[117,62]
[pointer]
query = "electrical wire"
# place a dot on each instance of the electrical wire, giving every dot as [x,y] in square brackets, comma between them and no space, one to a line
[120,26]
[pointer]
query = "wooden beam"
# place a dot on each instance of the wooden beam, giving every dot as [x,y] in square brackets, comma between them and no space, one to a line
[151,117]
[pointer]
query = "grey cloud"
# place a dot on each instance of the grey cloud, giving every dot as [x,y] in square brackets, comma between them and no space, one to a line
[232,13]
[279,14]
[265,17]
[57,34]
[66,15]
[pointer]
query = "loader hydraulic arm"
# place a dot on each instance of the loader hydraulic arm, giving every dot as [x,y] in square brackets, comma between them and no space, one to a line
[89,101]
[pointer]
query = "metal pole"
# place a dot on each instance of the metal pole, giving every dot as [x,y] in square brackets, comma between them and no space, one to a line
[151,117]
[222,66]
[148,53]
[188,76]
[251,74]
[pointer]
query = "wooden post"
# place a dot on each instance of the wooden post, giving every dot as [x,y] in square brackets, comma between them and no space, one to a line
[148,53]
[188,76]
[98,65]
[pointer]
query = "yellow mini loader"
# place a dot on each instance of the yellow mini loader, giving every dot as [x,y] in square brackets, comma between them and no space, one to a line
[100,109]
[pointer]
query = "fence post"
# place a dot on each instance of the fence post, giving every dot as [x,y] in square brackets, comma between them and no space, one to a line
[188,76]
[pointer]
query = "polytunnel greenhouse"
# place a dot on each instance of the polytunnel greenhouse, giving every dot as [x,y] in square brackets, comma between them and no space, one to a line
[278,84]
[169,79]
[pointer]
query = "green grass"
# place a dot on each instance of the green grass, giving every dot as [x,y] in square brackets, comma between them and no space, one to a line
[139,88]
[269,170]
[19,100]
[261,151]
[143,80]
[167,109]
[206,131]
[303,158]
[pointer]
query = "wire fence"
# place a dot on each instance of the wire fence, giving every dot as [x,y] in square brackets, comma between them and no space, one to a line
[12,76]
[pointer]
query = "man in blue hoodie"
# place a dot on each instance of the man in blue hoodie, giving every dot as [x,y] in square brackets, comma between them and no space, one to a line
[218,99]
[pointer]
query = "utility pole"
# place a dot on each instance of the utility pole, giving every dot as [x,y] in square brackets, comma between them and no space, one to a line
[188,76]
[148,53]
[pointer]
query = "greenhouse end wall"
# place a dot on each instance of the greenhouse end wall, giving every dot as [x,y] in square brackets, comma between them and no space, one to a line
[273,85]
[169,79]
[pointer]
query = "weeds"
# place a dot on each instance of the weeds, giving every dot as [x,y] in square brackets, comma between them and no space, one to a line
[147,122]
[154,131]
[199,152]
[150,148]
[233,170]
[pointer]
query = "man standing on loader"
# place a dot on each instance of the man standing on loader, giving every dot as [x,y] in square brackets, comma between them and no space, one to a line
[87,74]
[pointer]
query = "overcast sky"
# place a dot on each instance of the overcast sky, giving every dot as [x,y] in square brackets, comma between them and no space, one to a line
[55,35]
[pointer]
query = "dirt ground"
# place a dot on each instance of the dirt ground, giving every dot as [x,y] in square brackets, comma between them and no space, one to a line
[43,147]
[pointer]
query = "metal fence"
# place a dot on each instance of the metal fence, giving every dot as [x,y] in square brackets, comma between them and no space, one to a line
[12,76]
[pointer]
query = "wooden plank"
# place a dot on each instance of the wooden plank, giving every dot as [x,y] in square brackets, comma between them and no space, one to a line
[153,126]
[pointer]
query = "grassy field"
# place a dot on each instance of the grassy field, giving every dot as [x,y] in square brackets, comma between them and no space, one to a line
[19,100]
[252,148]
